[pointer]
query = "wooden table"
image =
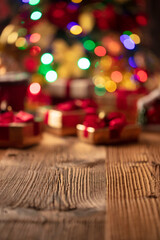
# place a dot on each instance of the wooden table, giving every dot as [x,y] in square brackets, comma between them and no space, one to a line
[65,189]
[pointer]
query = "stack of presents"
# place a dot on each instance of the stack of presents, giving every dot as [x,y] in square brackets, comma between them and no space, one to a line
[112,118]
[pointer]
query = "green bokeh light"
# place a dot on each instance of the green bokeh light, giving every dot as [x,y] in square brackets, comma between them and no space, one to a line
[47,58]
[127,33]
[84,63]
[36,15]
[51,76]
[100,91]
[33,2]
[43,69]
[89,45]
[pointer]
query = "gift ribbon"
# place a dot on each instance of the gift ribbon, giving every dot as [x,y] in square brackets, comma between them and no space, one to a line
[114,121]
[9,117]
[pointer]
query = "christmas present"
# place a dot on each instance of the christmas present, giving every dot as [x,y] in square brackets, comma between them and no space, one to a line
[62,119]
[71,89]
[107,130]
[123,101]
[13,87]
[19,129]
[149,111]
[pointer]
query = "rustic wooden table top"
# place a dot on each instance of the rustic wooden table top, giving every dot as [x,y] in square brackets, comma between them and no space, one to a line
[65,189]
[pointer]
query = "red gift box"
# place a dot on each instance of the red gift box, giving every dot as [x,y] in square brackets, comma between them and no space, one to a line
[123,101]
[113,129]
[19,130]
[62,119]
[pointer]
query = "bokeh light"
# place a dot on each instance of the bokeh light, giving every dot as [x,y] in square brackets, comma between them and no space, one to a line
[84,63]
[132,62]
[76,30]
[135,38]
[35,88]
[99,90]
[111,86]
[33,2]
[47,58]
[35,37]
[100,51]
[106,62]
[71,24]
[76,1]
[127,33]
[129,44]
[89,45]
[141,20]
[51,76]
[43,69]
[36,15]
[25,1]
[35,50]
[12,37]
[21,42]
[116,76]
[142,75]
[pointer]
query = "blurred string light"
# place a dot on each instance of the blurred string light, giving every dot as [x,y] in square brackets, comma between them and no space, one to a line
[100,51]
[116,76]
[141,20]
[35,88]
[99,90]
[43,69]
[25,1]
[84,63]
[47,58]
[132,62]
[12,37]
[35,37]
[76,1]
[76,30]
[21,42]
[111,86]
[33,2]
[129,40]
[71,24]
[89,45]
[135,38]
[141,75]
[36,15]
[51,76]
[35,50]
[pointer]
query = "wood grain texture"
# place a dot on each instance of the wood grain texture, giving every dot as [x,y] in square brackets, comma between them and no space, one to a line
[54,190]
[133,191]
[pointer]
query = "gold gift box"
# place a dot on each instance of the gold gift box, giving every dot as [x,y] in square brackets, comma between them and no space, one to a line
[63,123]
[21,135]
[130,132]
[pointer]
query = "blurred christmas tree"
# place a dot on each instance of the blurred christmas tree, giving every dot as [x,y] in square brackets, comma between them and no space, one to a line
[100,40]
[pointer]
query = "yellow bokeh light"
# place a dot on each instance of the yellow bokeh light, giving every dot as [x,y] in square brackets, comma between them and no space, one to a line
[136,39]
[12,37]
[2,70]
[21,42]
[99,80]
[86,21]
[111,86]
[76,1]
[76,30]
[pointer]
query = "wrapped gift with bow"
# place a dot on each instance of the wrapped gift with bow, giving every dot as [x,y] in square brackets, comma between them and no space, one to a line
[63,118]
[124,101]
[109,129]
[19,129]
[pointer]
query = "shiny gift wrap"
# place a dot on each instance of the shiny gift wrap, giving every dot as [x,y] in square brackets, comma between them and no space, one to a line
[62,119]
[19,130]
[113,129]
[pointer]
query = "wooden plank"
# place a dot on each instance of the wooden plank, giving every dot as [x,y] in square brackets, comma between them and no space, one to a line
[133,191]
[53,190]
